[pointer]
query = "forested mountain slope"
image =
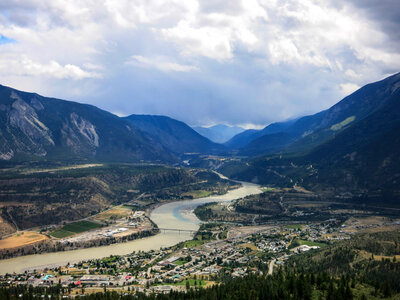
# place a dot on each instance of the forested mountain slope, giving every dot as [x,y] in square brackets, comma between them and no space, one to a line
[174,135]
[36,127]
[361,158]
[307,132]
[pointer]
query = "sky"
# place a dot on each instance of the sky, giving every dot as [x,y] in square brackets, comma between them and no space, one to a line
[204,62]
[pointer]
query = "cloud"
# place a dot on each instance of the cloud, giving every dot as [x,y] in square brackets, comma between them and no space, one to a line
[348,88]
[386,13]
[215,33]
[203,62]
[23,66]
[159,63]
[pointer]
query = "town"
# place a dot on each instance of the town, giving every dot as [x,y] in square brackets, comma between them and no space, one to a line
[217,250]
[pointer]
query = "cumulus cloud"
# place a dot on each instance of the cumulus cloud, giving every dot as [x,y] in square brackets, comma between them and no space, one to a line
[211,30]
[23,66]
[204,62]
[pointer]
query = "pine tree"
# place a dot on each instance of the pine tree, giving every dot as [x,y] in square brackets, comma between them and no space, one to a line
[187,285]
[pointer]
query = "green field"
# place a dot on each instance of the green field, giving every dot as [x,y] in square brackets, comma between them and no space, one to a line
[198,193]
[294,226]
[75,227]
[269,189]
[193,243]
[61,233]
[310,243]
[81,226]
[180,262]
[191,282]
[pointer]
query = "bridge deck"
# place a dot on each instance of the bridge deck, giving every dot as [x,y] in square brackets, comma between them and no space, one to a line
[177,229]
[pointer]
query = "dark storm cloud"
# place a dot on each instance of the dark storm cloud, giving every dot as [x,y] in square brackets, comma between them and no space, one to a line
[386,13]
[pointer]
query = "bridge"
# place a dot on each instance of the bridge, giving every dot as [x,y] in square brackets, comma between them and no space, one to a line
[177,230]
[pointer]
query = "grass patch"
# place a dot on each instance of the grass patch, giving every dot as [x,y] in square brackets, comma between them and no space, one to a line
[294,226]
[114,213]
[193,243]
[310,243]
[110,259]
[64,168]
[340,125]
[269,189]
[251,246]
[75,227]
[22,239]
[191,282]
[198,193]
[127,207]
[298,242]
[223,234]
[61,233]
[81,226]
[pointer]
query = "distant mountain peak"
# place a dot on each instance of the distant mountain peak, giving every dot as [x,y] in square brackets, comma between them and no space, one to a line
[175,135]
[219,133]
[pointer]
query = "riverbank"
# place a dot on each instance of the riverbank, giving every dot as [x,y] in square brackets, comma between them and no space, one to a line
[125,225]
[173,215]
[50,246]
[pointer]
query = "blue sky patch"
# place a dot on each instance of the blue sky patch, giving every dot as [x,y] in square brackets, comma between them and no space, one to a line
[5,40]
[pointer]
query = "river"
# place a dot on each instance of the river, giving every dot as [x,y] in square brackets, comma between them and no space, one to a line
[174,215]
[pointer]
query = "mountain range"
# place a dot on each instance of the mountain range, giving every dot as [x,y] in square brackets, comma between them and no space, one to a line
[352,146]
[33,127]
[219,133]
[174,135]
[244,138]
[306,132]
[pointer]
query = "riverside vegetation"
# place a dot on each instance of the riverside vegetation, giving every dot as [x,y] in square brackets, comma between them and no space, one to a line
[46,200]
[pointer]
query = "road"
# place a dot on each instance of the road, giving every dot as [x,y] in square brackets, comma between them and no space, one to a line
[271,267]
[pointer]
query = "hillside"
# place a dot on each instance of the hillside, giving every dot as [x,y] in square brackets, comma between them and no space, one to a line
[36,127]
[365,155]
[33,196]
[307,132]
[174,135]
[360,159]
[244,138]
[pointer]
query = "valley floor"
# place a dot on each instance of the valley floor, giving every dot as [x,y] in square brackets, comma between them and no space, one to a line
[219,251]
[91,195]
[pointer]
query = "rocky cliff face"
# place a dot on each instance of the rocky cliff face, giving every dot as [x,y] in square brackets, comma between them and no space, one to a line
[22,130]
[77,131]
[29,135]
[50,128]
[23,117]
